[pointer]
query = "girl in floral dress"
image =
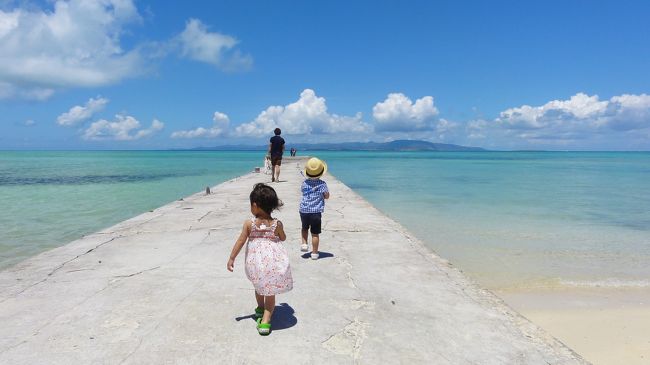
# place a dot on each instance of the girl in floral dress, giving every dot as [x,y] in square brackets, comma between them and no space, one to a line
[267,261]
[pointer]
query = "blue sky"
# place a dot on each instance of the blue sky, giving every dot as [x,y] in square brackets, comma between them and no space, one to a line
[122,74]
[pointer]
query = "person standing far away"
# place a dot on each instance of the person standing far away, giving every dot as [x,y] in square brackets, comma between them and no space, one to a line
[276,149]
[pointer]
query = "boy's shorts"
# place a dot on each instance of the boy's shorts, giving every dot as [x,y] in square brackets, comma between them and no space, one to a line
[311,220]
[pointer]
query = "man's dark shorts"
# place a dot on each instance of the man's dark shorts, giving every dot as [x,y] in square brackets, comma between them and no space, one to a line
[276,160]
[311,220]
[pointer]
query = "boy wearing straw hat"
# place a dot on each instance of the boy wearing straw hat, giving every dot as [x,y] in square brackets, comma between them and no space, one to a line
[314,192]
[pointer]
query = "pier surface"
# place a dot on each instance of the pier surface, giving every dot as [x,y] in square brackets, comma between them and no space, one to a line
[155,290]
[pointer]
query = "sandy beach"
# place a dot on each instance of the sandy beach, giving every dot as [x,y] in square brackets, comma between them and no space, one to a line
[607,326]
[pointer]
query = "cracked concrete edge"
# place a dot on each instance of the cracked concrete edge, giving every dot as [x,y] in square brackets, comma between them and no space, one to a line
[27,285]
[471,287]
[467,285]
[58,257]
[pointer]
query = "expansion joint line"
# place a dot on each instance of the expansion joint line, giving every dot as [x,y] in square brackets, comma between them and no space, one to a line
[78,256]
[205,215]
[137,273]
[59,268]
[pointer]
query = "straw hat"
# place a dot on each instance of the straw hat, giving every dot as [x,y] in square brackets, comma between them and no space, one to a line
[315,168]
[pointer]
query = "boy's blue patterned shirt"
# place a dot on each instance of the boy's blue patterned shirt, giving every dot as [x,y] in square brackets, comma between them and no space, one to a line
[312,196]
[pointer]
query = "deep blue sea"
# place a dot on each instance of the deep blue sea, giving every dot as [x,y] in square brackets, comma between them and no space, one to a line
[511,220]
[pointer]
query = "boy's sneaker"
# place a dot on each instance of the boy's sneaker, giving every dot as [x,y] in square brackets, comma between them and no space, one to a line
[304,247]
[314,256]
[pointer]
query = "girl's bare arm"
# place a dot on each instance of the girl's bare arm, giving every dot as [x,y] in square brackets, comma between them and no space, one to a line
[238,245]
[279,231]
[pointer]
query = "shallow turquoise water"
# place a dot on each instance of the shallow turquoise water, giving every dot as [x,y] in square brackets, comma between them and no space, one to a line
[517,219]
[509,219]
[51,198]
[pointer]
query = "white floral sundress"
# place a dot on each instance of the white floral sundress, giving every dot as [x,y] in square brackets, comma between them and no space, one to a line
[267,261]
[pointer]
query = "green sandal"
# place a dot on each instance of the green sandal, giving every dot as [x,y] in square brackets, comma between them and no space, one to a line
[259,312]
[263,328]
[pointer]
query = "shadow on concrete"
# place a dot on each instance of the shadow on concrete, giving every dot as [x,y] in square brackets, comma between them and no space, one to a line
[251,316]
[283,317]
[321,255]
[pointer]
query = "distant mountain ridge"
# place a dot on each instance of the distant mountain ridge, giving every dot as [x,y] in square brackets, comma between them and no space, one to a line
[395,146]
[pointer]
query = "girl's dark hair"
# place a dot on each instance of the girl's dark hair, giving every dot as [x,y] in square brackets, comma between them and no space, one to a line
[265,198]
[277,131]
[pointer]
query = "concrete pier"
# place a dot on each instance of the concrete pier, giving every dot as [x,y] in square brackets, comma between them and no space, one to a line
[155,290]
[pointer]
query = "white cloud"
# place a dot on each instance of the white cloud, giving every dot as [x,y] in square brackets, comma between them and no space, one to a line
[29,123]
[78,114]
[9,91]
[581,113]
[581,121]
[125,128]
[399,113]
[476,128]
[308,115]
[77,43]
[628,112]
[580,107]
[217,49]
[446,129]
[219,128]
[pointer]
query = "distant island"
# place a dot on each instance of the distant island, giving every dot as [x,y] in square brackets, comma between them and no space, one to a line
[394,146]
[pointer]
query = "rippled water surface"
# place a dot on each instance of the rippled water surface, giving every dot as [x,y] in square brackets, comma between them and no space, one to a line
[51,198]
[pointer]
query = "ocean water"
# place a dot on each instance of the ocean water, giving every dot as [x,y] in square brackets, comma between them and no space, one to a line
[48,199]
[511,220]
[517,220]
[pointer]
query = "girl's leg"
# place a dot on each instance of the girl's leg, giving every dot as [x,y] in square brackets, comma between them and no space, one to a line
[315,240]
[260,300]
[269,306]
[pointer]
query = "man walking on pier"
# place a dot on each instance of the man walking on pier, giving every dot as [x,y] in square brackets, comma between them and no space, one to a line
[276,149]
